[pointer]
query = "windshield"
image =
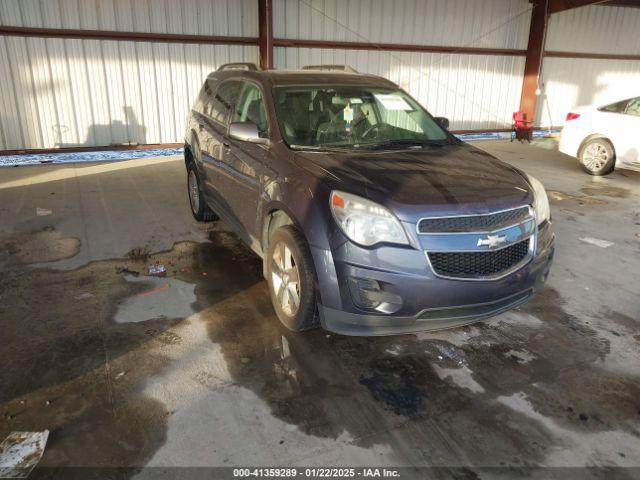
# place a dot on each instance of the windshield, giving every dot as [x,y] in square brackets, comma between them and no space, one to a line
[334,116]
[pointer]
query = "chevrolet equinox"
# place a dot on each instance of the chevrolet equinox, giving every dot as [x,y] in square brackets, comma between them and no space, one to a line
[369,216]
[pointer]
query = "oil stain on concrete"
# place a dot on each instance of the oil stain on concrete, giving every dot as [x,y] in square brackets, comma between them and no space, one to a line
[41,246]
[606,191]
[558,198]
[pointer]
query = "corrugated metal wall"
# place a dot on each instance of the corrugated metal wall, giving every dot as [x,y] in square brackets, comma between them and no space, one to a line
[92,92]
[197,17]
[63,93]
[474,92]
[569,82]
[595,29]
[477,23]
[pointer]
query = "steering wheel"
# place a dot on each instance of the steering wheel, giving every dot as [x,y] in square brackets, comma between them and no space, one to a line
[372,128]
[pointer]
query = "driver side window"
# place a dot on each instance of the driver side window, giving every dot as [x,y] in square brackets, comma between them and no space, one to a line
[250,108]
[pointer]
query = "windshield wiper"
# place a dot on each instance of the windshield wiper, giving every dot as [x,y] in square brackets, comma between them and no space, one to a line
[403,142]
[323,147]
[305,147]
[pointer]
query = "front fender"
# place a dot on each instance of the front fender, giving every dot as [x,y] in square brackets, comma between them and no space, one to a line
[307,208]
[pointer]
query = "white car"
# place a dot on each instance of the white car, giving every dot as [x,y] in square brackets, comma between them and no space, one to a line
[604,137]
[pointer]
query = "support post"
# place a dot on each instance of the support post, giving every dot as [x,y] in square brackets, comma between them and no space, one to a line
[265,32]
[533,61]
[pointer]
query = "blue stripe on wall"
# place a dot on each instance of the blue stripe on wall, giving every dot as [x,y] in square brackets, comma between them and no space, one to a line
[115,155]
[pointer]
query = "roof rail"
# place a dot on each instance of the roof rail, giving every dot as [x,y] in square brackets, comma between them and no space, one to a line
[238,66]
[342,68]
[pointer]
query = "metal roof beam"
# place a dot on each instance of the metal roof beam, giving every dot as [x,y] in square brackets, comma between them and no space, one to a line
[556,6]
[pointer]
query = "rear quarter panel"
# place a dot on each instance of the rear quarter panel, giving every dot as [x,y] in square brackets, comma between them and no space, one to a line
[591,123]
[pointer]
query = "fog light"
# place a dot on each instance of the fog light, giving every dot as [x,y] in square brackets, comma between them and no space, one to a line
[369,294]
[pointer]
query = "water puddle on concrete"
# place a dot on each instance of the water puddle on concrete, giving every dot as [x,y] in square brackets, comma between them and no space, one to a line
[79,344]
[162,298]
[119,346]
[68,368]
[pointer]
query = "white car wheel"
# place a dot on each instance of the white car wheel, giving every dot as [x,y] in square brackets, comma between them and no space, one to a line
[597,156]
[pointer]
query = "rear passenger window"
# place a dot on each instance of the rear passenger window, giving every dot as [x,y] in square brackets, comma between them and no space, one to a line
[197,106]
[634,107]
[617,107]
[219,106]
[206,98]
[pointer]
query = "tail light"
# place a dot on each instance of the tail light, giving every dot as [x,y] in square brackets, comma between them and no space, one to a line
[572,116]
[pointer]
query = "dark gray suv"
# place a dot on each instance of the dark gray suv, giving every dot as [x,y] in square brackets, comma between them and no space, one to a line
[370,218]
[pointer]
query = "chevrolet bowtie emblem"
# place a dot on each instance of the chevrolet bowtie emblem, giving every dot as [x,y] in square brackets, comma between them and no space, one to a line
[492,241]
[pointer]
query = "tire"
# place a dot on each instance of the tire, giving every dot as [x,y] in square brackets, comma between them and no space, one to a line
[199,208]
[597,157]
[301,315]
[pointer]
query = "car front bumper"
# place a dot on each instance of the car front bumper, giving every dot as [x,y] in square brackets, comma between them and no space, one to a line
[428,320]
[429,302]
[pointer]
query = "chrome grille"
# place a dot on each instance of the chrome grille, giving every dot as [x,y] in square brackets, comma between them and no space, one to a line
[474,223]
[478,264]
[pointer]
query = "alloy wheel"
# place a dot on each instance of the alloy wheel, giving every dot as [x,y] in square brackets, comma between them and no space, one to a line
[194,192]
[595,156]
[285,279]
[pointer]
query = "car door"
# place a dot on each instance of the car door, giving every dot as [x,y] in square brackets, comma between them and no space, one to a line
[619,124]
[629,151]
[213,125]
[249,163]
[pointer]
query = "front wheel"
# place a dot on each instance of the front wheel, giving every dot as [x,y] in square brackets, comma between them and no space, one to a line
[291,279]
[597,157]
[199,207]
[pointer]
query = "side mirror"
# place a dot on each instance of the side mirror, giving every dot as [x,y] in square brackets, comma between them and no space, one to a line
[443,122]
[246,131]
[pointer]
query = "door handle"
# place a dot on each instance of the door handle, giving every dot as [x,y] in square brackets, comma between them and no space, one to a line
[201,126]
[226,145]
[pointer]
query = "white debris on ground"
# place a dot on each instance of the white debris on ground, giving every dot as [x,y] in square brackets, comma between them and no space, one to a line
[43,212]
[462,377]
[521,356]
[597,242]
[395,350]
[84,296]
[157,270]
[451,353]
[20,452]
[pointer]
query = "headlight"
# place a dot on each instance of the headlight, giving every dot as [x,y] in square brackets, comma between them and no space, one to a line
[540,201]
[365,222]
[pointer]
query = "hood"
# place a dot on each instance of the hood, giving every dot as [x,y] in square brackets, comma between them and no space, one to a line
[435,180]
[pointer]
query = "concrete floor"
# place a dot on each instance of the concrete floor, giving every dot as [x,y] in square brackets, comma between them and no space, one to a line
[194,369]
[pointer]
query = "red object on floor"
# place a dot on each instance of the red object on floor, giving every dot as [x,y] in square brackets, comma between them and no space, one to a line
[522,129]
